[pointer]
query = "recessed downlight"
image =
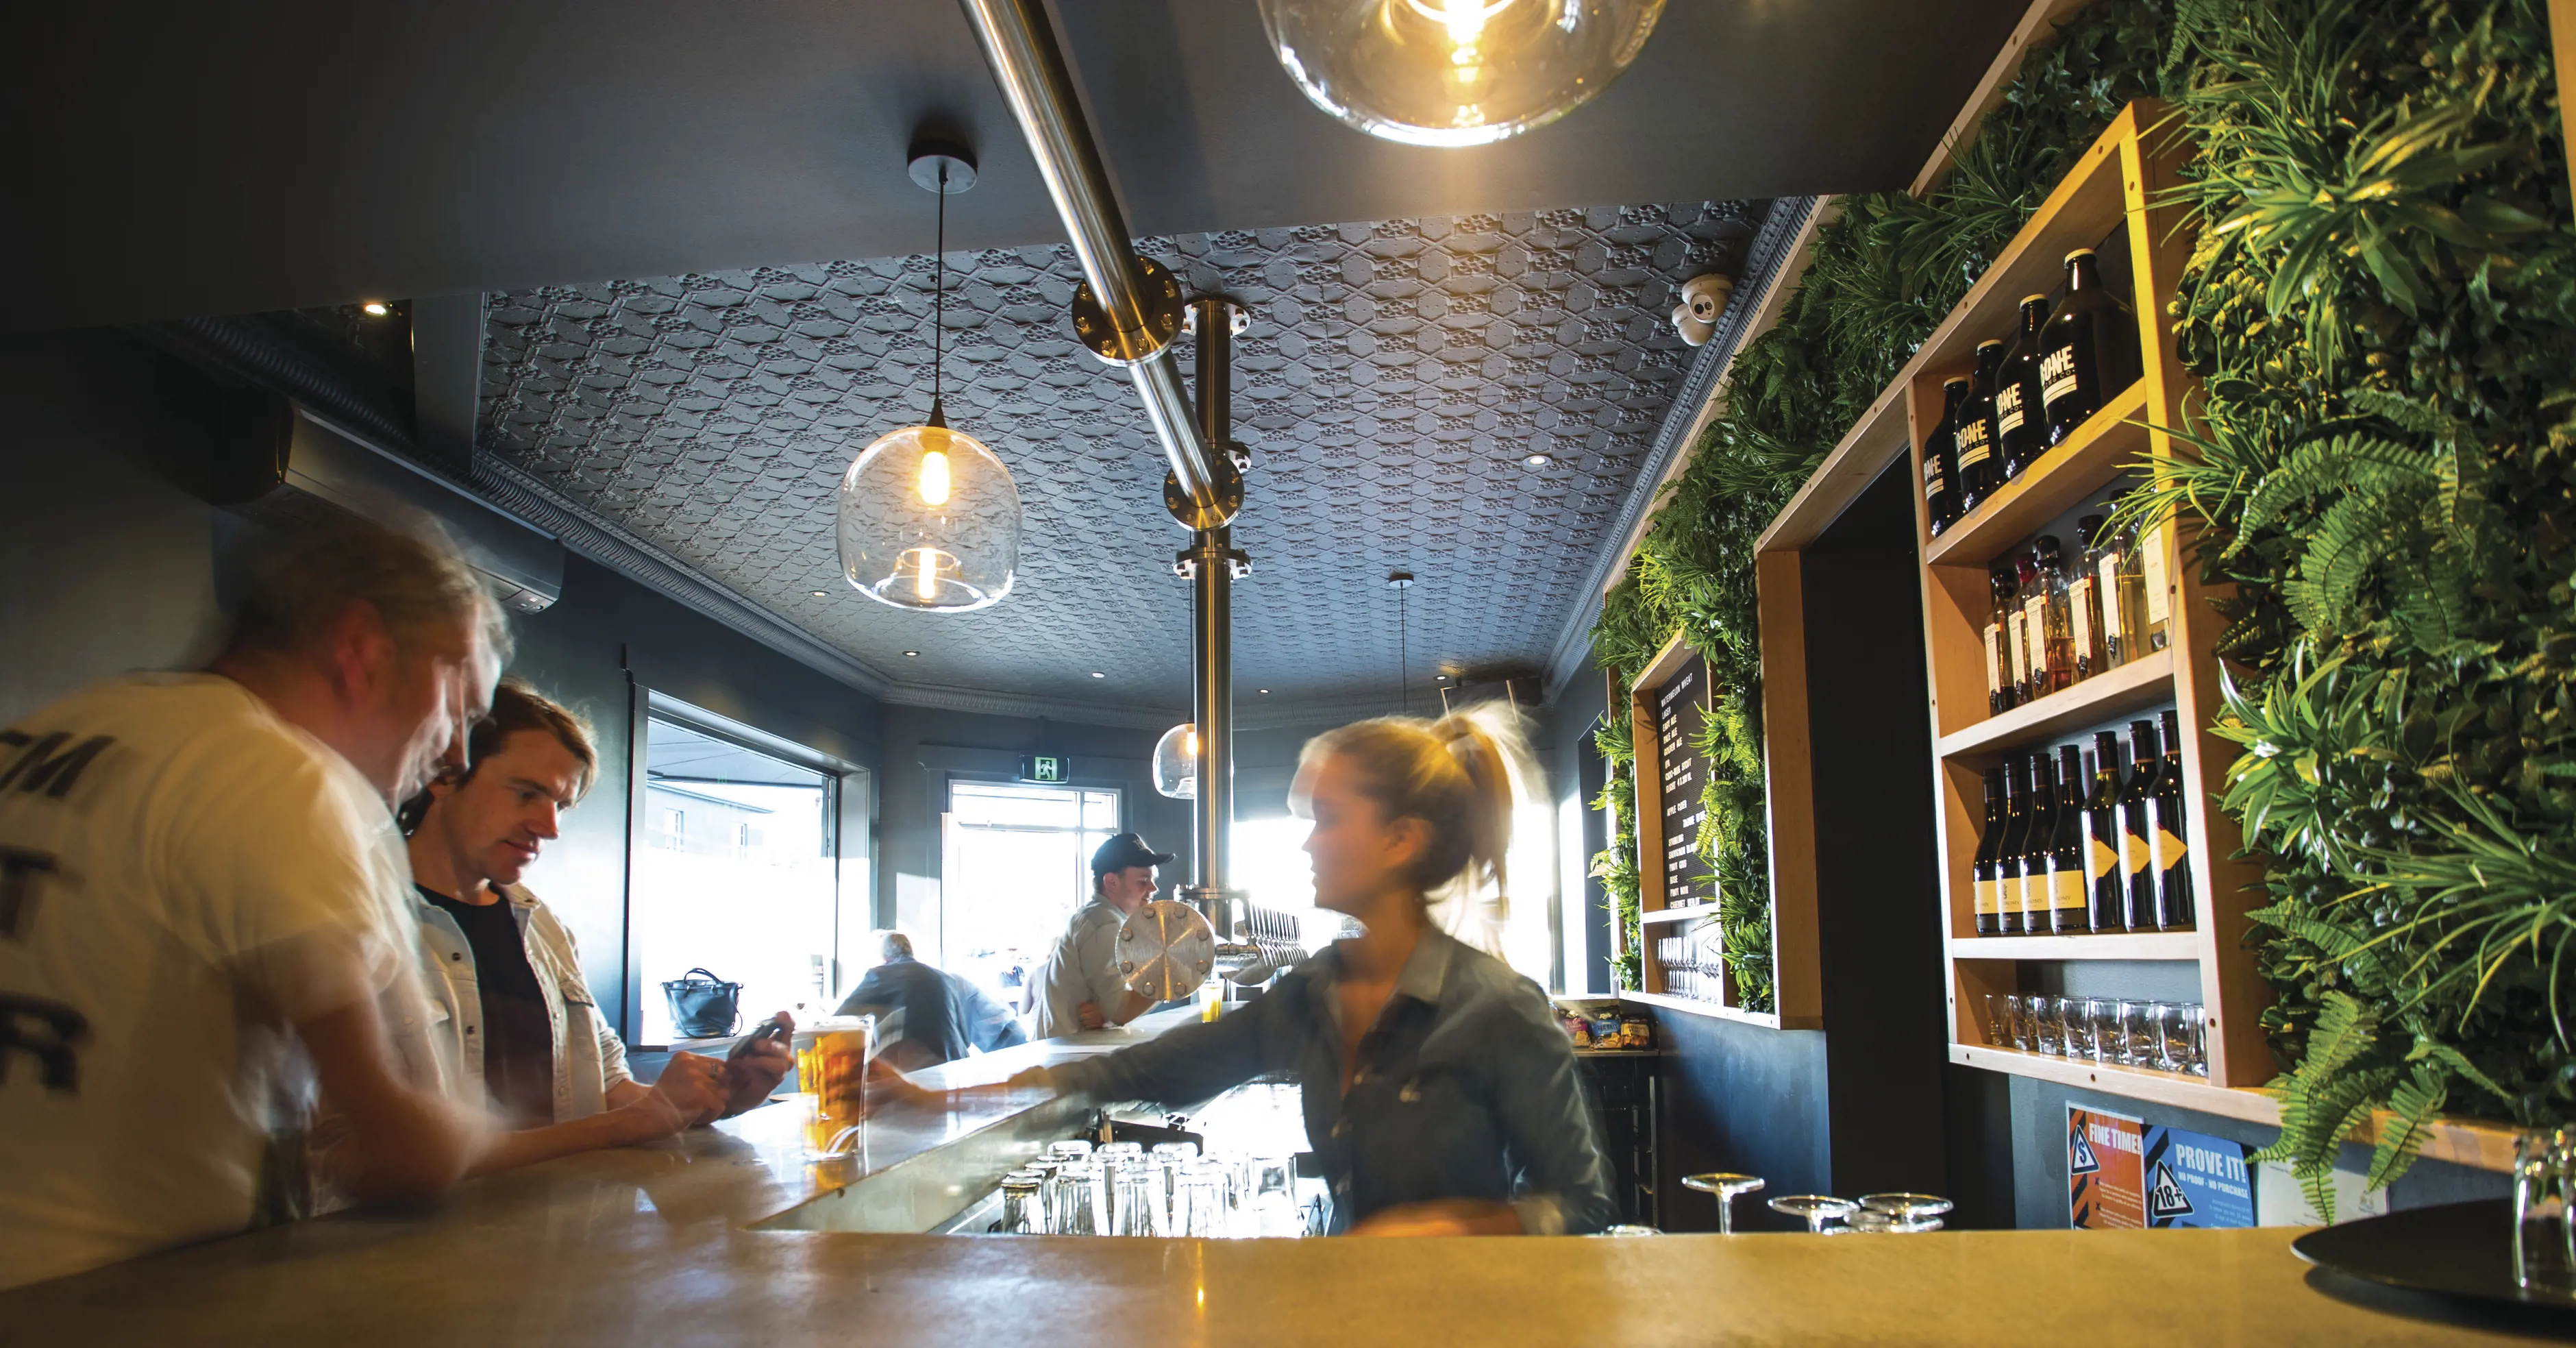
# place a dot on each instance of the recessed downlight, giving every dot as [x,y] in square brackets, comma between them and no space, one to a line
[1098,675]
[1537,460]
[822,594]
[375,308]
[912,652]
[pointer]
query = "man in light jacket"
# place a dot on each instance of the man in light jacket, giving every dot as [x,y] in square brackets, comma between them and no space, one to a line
[517,1024]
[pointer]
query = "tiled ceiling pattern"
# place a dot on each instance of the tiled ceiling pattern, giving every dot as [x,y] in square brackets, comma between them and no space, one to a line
[1394,377]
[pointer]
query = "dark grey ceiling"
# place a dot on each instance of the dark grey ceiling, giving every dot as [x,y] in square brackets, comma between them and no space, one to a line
[1393,379]
[177,159]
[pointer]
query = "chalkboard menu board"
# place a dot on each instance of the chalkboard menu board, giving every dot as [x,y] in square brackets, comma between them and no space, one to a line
[1681,712]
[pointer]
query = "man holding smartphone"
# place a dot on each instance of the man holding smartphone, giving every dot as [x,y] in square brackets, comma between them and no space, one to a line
[520,1027]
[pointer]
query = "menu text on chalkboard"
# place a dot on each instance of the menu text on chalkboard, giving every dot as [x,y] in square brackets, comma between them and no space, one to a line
[1681,714]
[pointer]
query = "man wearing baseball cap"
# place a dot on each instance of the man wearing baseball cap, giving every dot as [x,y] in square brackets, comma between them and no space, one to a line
[1079,989]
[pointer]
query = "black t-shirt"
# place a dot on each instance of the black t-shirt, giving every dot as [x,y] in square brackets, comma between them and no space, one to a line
[517,1037]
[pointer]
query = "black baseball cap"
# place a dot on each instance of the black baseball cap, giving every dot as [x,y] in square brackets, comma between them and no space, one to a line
[1123,851]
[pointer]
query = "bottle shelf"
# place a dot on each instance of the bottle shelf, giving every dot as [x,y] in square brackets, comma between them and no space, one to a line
[2177,946]
[2142,683]
[2108,441]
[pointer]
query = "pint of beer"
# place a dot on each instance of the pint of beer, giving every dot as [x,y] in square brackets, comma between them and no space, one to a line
[832,1059]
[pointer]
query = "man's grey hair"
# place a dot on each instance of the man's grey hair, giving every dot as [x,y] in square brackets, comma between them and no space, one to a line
[413,577]
[895,946]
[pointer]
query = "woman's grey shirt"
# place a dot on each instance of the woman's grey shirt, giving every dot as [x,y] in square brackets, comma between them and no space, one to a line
[1464,1088]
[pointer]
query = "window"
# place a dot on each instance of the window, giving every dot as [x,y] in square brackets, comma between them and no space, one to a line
[1018,864]
[738,874]
[1271,868]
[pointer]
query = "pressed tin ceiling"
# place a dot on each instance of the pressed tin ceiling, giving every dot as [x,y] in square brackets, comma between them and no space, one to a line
[1393,379]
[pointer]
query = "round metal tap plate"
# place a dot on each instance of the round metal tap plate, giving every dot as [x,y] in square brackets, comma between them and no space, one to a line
[1165,950]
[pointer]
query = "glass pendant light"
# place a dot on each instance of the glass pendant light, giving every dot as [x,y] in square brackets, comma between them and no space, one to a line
[1176,762]
[1455,72]
[929,517]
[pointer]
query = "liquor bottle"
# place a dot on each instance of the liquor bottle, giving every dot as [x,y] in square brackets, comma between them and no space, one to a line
[1999,662]
[2174,906]
[2036,900]
[2124,593]
[2109,884]
[2088,352]
[2017,629]
[2071,912]
[2021,436]
[2154,602]
[2008,853]
[2044,619]
[1941,460]
[2137,833]
[1980,472]
[1990,842]
[2084,602]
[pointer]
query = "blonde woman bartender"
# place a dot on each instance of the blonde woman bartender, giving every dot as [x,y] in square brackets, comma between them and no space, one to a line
[1439,1093]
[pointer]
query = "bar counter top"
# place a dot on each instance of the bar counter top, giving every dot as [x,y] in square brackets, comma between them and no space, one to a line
[653,1245]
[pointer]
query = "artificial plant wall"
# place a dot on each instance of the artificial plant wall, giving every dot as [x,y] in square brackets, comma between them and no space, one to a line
[2382,309]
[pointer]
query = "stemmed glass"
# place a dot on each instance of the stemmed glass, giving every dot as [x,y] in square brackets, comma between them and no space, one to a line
[1817,1209]
[2544,1244]
[1905,1212]
[1726,1186]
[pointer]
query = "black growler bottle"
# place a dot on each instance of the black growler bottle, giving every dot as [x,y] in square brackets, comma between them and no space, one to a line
[1990,843]
[2070,912]
[2021,436]
[1979,471]
[2108,883]
[2174,906]
[2088,352]
[2008,852]
[2137,830]
[2036,901]
[1941,459]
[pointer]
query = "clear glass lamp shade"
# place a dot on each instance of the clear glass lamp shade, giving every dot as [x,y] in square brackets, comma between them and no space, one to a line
[930,519]
[1176,762]
[1455,72]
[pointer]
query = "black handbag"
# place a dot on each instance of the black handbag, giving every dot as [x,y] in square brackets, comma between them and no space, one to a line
[703,1008]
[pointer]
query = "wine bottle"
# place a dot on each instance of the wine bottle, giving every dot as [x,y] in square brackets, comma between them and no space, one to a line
[2018,628]
[2124,593]
[2020,435]
[2084,602]
[2174,906]
[1999,688]
[1980,472]
[2044,619]
[2037,902]
[2071,911]
[2088,352]
[2109,884]
[1941,460]
[2137,832]
[1990,843]
[2008,853]
[2155,598]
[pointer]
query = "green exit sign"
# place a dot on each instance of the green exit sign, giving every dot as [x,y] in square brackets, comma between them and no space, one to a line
[1042,768]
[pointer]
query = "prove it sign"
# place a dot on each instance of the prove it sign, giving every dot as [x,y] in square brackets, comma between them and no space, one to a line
[2121,1173]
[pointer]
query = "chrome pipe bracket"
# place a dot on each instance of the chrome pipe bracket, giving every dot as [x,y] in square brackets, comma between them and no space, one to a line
[1185,563]
[1216,514]
[1165,314]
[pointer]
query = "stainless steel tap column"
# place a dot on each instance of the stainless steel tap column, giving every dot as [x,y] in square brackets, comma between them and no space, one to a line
[1130,311]
[1212,564]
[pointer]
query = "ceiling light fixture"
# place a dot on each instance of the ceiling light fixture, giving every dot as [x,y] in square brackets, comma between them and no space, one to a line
[375,308]
[1537,460]
[929,517]
[1098,675]
[1448,73]
[1401,581]
[912,652]
[1176,762]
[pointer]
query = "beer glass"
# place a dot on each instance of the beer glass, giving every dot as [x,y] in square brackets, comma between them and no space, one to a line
[1022,1208]
[1998,1020]
[2199,1017]
[2171,1038]
[2025,1027]
[2137,1034]
[1072,1149]
[2050,1028]
[2544,1247]
[1107,1152]
[1199,1208]
[2102,1028]
[1070,1205]
[1274,1199]
[2075,1027]
[832,1058]
[1136,1197]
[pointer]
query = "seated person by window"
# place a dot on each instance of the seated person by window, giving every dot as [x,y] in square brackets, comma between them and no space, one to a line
[928,1016]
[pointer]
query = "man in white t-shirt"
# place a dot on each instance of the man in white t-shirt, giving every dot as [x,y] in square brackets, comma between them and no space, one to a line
[203,915]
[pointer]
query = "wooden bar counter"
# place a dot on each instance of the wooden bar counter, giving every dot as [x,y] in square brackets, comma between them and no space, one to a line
[658,1245]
